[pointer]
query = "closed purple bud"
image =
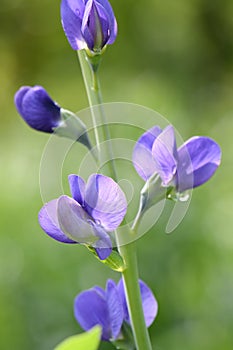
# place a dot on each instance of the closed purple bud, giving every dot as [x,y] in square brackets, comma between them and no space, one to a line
[88,23]
[37,108]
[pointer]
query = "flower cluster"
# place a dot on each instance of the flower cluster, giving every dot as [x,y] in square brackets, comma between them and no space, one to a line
[108,308]
[95,209]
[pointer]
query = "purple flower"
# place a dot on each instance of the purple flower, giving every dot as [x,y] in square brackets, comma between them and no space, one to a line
[95,209]
[88,23]
[37,108]
[186,167]
[108,309]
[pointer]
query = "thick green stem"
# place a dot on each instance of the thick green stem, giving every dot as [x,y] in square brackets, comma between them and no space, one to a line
[128,252]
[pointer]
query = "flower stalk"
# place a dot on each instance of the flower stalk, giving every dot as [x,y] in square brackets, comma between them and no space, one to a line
[89,67]
[128,252]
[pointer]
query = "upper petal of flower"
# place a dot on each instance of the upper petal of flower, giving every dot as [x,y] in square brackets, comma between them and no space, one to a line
[115,307]
[143,160]
[77,188]
[165,154]
[105,201]
[72,12]
[149,303]
[91,309]
[199,157]
[37,108]
[49,222]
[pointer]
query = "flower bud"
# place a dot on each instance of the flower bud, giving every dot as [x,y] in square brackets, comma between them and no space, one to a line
[88,24]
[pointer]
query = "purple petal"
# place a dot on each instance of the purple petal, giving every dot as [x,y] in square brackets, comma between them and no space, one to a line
[112,20]
[71,15]
[143,160]
[91,309]
[49,222]
[149,303]
[19,96]
[115,307]
[73,220]
[88,28]
[105,201]
[37,108]
[165,154]
[199,157]
[103,245]
[77,188]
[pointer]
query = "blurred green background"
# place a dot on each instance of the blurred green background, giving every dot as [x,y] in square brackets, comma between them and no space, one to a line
[175,57]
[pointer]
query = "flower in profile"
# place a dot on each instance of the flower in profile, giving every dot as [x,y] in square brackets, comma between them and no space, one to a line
[37,108]
[88,23]
[95,209]
[108,309]
[41,113]
[183,168]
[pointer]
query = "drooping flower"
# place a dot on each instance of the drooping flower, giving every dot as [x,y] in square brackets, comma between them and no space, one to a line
[183,168]
[95,209]
[108,309]
[88,23]
[37,108]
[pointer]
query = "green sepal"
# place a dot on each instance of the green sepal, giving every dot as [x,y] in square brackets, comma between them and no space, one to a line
[73,128]
[114,260]
[125,341]
[89,340]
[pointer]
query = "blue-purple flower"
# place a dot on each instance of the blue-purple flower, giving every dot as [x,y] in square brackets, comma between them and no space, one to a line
[108,308]
[95,209]
[183,168]
[88,23]
[37,108]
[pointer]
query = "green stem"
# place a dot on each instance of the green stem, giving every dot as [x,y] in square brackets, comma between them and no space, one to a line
[133,297]
[128,252]
[100,126]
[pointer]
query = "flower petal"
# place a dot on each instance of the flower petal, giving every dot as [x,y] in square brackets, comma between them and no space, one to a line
[112,20]
[115,307]
[149,303]
[143,160]
[199,157]
[37,108]
[103,245]
[73,220]
[49,222]
[91,309]
[77,188]
[105,201]
[71,15]
[165,154]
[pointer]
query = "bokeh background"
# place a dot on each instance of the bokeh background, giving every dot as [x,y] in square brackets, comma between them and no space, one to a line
[175,57]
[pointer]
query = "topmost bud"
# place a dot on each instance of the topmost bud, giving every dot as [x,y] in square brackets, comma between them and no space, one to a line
[88,24]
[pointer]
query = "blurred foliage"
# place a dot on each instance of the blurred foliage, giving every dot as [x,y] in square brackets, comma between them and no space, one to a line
[175,57]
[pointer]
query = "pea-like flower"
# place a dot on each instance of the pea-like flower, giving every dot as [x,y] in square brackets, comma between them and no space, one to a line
[95,209]
[88,23]
[37,108]
[183,168]
[108,308]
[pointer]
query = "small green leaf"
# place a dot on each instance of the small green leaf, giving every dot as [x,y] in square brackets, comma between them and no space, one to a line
[85,341]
